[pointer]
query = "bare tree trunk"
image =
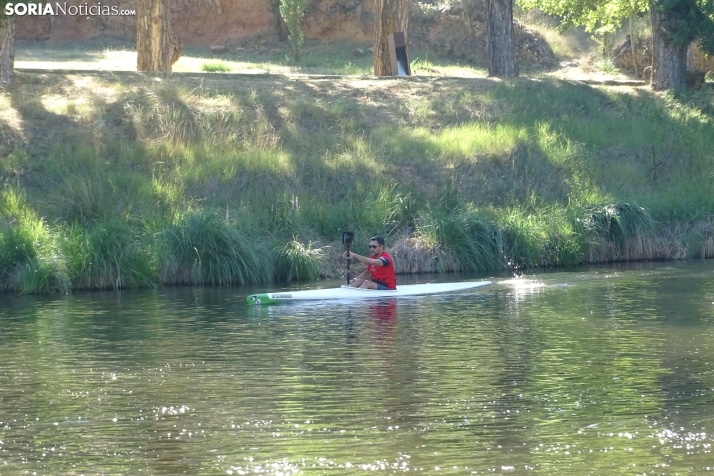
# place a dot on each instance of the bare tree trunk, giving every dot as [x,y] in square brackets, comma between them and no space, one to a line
[281,27]
[157,46]
[7,49]
[691,56]
[632,48]
[465,6]
[501,44]
[390,16]
[669,62]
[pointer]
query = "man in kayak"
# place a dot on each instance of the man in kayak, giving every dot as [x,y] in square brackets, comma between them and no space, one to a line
[380,267]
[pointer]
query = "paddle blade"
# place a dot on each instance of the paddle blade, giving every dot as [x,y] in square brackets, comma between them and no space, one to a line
[347,238]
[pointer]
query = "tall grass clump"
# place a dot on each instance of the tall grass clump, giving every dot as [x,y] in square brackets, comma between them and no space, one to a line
[295,261]
[204,248]
[215,67]
[385,211]
[30,259]
[544,238]
[109,254]
[615,223]
[469,237]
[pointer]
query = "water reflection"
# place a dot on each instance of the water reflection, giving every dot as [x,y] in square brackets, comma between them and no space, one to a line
[606,370]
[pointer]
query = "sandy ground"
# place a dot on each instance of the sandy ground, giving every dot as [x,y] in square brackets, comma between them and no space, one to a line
[580,69]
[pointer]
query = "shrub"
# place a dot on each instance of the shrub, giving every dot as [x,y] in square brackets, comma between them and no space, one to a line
[109,255]
[295,261]
[292,12]
[203,248]
[616,222]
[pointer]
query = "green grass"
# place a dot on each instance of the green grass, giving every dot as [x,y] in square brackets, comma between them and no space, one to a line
[30,257]
[295,261]
[109,254]
[606,65]
[205,248]
[215,67]
[135,182]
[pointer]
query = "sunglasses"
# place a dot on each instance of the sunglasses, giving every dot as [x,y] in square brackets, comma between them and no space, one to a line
[374,246]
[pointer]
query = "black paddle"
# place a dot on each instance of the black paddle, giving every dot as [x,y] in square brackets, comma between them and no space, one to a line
[347,238]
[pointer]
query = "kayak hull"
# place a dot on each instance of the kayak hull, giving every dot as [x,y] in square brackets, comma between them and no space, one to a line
[346,292]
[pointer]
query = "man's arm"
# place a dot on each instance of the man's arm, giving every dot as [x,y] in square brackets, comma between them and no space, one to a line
[365,260]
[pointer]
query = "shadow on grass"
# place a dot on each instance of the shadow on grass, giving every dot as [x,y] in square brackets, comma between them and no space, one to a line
[62,51]
[278,145]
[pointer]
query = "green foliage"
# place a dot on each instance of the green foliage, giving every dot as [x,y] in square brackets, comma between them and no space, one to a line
[215,67]
[616,222]
[688,20]
[203,248]
[606,65]
[295,261]
[186,181]
[292,12]
[545,237]
[30,259]
[109,254]
[46,274]
[596,16]
[469,236]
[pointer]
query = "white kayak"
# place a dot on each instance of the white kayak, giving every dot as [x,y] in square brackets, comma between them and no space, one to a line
[346,292]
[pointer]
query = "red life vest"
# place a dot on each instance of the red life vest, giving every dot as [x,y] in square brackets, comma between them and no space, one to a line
[383,274]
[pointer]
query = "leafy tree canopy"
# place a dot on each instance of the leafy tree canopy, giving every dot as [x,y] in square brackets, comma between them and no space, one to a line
[596,16]
[688,20]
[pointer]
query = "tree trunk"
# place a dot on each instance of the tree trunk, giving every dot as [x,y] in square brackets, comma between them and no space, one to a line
[390,16]
[669,62]
[632,48]
[281,27]
[691,56]
[501,44]
[156,44]
[7,49]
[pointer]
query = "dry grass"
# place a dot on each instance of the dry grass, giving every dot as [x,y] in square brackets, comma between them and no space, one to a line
[412,255]
[572,44]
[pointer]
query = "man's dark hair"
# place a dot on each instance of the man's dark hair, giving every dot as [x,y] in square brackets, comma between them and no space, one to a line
[378,239]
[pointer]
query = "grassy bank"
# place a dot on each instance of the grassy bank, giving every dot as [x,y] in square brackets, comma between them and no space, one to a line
[112,180]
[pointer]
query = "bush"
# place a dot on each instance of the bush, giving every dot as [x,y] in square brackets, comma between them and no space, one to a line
[30,261]
[109,255]
[616,222]
[295,261]
[203,248]
[470,237]
[292,12]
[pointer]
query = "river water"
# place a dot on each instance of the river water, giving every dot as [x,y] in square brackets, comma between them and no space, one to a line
[602,370]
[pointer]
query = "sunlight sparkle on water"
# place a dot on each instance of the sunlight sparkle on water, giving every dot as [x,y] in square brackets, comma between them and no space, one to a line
[522,285]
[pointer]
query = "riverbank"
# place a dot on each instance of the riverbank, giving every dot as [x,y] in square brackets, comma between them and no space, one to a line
[117,179]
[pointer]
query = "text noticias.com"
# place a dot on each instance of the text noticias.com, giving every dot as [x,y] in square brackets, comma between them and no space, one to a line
[57,8]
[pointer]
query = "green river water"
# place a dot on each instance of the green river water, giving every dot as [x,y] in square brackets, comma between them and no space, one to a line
[600,370]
